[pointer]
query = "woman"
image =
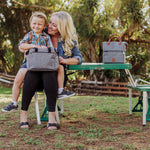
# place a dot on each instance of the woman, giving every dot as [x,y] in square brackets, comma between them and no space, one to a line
[63,36]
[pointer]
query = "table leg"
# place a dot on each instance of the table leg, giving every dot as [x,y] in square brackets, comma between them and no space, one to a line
[130,101]
[130,77]
[144,107]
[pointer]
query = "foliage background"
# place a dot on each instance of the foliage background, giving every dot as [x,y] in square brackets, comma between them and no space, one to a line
[95,20]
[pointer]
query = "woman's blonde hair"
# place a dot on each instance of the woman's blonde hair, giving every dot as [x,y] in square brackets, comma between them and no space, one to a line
[67,31]
[39,15]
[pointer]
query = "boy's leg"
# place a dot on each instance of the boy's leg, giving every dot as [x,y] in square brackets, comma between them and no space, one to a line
[60,79]
[17,83]
[16,90]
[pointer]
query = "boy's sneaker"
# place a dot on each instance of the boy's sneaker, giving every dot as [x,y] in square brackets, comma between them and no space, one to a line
[10,107]
[65,94]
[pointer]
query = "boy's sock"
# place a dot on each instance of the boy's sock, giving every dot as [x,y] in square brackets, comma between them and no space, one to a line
[60,90]
[15,103]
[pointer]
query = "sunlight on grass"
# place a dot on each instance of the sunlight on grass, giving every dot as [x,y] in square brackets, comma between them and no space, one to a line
[88,122]
[59,144]
[111,138]
[2,134]
[104,104]
[128,146]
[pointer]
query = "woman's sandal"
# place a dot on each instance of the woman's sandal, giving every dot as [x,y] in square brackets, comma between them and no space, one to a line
[53,125]
[24,123]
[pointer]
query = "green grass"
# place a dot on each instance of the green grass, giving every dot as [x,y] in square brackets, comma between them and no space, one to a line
[88,123]
[4,90]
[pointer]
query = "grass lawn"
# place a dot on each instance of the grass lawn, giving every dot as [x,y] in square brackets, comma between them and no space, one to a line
[88,123]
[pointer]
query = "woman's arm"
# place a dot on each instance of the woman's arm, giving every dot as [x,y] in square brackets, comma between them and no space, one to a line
[76,57]
[76,54]
[68,61]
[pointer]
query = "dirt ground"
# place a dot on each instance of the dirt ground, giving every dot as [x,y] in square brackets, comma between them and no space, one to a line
[93,130]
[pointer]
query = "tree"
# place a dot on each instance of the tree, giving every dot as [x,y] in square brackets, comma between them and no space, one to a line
[14,24]
[96,20]
[91,28]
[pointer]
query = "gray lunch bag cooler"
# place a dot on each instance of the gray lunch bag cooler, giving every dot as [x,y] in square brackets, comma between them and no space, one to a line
[42,59]
[114,52]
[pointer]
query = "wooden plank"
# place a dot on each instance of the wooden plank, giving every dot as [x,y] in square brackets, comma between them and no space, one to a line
[6,75]
[104,87]
[7,78]
[104,83]
[6,81]
[110,93]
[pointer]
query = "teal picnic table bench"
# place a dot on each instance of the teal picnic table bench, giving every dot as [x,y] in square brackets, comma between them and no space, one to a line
[94,66]
[143,102]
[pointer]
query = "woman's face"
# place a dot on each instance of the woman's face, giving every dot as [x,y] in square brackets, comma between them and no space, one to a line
[52,26]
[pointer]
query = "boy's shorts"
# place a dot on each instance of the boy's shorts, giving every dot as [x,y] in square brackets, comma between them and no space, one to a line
[24,65]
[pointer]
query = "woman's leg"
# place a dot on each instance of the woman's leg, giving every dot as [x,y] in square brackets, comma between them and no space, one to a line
[23,118]
[30,85]
[50,88]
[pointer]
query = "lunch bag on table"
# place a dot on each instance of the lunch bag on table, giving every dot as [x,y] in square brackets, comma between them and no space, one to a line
[114,51]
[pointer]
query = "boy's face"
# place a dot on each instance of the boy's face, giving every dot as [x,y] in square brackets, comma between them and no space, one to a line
[37,25]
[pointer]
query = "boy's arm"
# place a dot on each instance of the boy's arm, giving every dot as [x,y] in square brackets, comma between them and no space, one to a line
[25,44]
[24,47]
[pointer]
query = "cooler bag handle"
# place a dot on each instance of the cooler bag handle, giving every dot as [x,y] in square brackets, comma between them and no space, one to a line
[112,36]
[49,50]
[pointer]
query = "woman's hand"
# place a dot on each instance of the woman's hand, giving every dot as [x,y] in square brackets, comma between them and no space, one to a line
[68,61]
[62,60]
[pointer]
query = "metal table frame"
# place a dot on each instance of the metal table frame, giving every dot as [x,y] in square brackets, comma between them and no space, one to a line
[144,89]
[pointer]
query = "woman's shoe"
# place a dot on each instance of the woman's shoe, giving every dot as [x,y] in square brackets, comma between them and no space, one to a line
[57,126]
[21,124]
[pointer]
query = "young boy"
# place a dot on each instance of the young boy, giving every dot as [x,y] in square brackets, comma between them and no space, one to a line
[34,39]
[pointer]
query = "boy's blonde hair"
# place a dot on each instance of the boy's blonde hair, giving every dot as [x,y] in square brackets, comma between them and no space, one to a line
[67,31]
[39,15]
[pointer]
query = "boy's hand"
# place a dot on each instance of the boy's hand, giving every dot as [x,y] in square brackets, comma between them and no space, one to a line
[43,46]
[38,46]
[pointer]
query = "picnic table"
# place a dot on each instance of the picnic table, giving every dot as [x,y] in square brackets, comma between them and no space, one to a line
[101,66]
[95,66]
